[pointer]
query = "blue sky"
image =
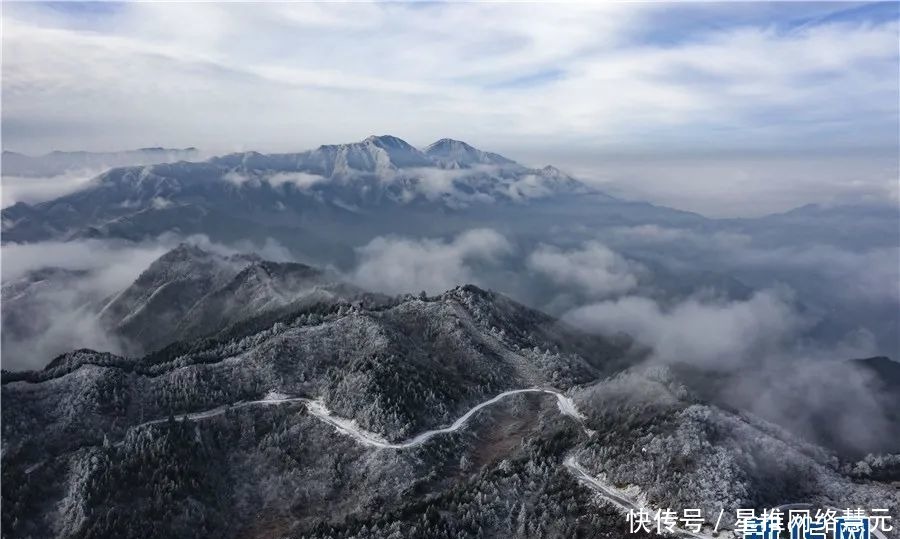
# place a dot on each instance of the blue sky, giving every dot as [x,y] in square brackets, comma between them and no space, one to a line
[563,82]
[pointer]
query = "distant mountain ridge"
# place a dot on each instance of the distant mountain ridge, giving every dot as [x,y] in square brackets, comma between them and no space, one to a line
[394,171]
[376,153]
[57,162]
[376,175]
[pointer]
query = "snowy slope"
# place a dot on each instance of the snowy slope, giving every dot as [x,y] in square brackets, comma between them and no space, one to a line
[381,174]
[379,408]
[189,292]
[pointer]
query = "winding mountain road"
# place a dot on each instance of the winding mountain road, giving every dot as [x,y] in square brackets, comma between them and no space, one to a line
[318,409]
[566,405]
[349,427]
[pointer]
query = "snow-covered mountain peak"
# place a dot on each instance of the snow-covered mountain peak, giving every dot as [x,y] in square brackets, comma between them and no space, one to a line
[450,153]
[389,142]
[185,252]
[448,144]
[370,175]
[375,154]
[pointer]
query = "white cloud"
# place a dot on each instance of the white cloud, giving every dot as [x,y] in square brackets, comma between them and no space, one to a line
[529,186]
[853,273]
[702,331]
[60,315]
[870,275]
[301,180]
[594,268]
[32,190]
[119,262]
[434,183]
[116,263]
[499,74]
[400,265]
[743,184]
[622,78]
[235,177]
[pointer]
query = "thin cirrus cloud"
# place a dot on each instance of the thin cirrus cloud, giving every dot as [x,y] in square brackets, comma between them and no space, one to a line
[303,74]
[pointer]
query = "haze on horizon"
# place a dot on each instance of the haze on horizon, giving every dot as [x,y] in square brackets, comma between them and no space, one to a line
[725,109]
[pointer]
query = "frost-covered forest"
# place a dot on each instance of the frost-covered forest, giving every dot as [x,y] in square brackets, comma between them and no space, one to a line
[96,445]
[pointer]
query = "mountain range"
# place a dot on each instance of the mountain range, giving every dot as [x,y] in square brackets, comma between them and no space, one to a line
[286,191]
[331,198]
[239,428]
[227,394]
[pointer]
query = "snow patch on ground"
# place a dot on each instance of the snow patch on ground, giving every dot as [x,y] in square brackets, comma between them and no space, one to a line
[348,426]
[275,396]
[567,407]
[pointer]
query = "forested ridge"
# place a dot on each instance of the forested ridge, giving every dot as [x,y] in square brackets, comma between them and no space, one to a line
[85,455]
